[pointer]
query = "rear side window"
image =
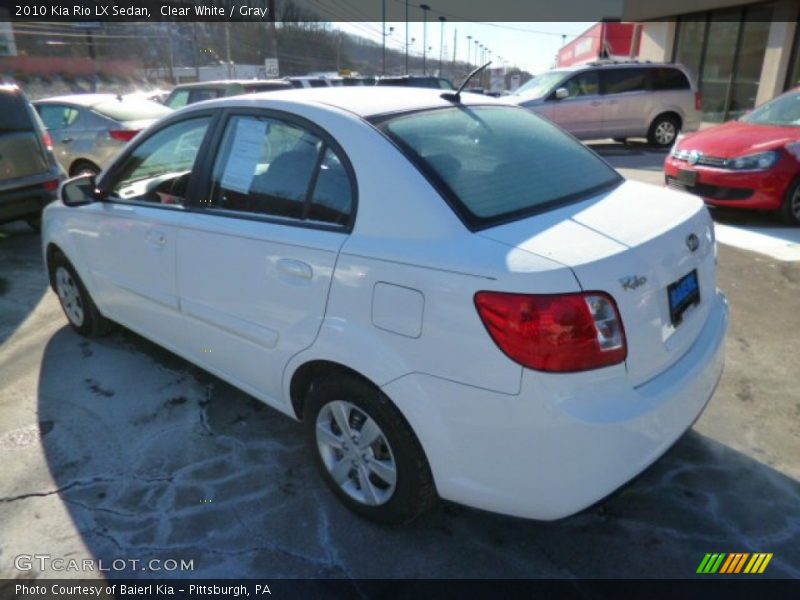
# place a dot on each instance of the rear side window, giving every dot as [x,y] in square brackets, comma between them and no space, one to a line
[668,79]
[274,168]
[58,116]
[619,81]
[497,164]
[13,113]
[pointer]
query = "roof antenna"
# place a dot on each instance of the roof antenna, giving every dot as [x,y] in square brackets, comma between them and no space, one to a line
[457,96]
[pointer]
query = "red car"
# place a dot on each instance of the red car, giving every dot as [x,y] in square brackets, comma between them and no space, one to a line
[753,162]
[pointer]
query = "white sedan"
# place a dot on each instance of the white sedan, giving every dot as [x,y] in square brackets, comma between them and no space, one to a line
[456,298]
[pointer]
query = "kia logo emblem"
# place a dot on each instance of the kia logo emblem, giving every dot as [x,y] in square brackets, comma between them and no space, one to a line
[692,242]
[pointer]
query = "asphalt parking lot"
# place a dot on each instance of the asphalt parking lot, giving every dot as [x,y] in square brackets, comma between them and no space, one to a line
[116,449]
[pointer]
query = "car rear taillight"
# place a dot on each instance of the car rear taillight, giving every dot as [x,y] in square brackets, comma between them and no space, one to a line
[50,186]
[123,135]
[48,141]
[555,332]
[698,101]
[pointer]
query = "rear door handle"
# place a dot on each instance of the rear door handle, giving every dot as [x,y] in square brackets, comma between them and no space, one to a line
[596,103]
[295,268]
[66,140]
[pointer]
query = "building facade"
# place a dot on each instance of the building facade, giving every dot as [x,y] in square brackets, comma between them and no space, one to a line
[740,53]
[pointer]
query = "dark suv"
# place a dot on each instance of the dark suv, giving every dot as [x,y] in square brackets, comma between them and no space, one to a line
[29,173]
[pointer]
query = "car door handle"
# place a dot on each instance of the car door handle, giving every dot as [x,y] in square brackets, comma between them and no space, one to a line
[157,239]
[66,140]
[595,102]
[295,268]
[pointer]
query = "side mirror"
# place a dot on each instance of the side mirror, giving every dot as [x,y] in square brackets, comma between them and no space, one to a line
[562,93]
[79,190]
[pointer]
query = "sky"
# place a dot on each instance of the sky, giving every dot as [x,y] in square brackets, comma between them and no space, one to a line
[530,46]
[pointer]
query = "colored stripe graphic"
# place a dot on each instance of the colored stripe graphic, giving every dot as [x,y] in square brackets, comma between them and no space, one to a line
[734,563]
[758,563]
[711,563]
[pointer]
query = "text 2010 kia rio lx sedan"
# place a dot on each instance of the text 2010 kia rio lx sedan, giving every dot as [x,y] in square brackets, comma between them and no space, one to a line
[455,297]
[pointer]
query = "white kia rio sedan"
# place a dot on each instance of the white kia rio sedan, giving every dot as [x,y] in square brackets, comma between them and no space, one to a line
[456,298]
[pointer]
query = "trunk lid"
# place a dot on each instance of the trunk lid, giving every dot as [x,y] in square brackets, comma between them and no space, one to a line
[636,232]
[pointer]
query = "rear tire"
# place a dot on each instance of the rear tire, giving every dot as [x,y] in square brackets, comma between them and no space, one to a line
[790,209]
[78,306]
[385,478]
[663,131]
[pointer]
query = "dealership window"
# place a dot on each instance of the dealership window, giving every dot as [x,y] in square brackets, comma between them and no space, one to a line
[724,50]
[793,76]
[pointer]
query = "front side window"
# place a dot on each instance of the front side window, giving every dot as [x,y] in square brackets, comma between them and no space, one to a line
[274,168]
[159,168]
[620,81]
[584,84]
[178,99]
[496,164]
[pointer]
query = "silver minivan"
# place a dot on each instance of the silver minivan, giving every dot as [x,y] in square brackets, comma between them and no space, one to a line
[616,100]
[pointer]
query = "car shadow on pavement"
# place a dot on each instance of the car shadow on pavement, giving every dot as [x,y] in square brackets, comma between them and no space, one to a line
[156,459]
[22,279]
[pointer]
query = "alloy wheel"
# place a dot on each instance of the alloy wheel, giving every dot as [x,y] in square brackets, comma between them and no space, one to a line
[70,296]
[665,132]
[356,453]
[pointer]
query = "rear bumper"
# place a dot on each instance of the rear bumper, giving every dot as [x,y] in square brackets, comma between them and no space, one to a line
[22,202]
[564,442]
[763,190]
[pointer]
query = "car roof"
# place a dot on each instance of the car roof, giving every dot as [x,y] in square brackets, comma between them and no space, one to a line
[226,82]
[614,65]
[363,101]
[81,99]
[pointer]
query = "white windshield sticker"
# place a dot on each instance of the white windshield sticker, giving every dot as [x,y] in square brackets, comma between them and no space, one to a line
[247,147]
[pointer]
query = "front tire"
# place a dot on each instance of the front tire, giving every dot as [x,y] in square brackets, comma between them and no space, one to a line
[663,131]
[790,209]
[78,306]
[366,452]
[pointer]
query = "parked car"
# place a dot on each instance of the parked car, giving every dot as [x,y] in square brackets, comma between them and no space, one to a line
[154,95]
[752,163]
[189,93]
[416,81]
[451,294]
[616,100]
[88,130]
[29,173]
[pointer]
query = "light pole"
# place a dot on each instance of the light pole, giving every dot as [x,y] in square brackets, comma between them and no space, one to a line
[469,49]
[386,35]
[477,43]
[406,37]
[441,45]
[425,8]
[383,37]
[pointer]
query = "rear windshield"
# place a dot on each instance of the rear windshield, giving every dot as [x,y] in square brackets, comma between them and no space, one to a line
[131,109]
[496,164]
[14,115]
